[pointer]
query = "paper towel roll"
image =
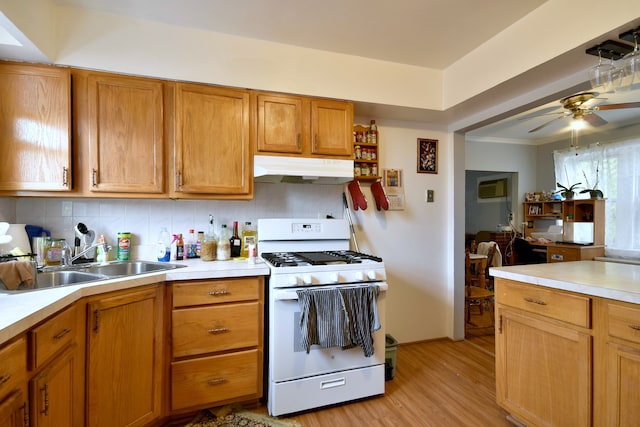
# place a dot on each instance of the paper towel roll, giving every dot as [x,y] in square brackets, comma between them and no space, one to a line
[20,239]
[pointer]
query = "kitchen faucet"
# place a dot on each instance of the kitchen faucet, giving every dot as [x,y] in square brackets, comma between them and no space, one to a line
[68,260]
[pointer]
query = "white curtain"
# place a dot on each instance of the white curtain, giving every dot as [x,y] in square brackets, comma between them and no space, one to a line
[615,168]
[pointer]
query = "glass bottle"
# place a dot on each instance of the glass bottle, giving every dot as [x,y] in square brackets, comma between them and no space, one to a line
[180,254]
[373,133]
[199,241]
[235,242]
[210,243]
[223,252]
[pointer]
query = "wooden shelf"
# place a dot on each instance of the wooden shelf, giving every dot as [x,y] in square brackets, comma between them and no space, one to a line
[360,132]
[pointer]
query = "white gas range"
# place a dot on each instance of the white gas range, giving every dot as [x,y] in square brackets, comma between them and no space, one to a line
[313,255]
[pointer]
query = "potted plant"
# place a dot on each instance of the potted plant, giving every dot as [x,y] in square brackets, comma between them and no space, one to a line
[567,192]
[594,193]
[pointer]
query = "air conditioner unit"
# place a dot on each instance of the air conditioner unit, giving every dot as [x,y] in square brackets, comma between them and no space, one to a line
[492,188]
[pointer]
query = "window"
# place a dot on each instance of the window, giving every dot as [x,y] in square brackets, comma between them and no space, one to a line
[615,169]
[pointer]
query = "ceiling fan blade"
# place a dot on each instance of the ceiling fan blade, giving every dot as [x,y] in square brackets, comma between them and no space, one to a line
[617,106]
[547,124]
[594,120]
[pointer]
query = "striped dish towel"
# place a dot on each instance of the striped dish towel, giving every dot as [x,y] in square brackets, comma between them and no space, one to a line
[345,317]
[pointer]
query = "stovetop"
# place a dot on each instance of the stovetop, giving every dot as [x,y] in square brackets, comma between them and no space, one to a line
[301,259]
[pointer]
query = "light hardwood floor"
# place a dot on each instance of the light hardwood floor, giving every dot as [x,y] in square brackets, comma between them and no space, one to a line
[437,383]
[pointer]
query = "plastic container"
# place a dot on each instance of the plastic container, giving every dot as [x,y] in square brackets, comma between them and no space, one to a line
[164,245]
[124,246]
[390,355]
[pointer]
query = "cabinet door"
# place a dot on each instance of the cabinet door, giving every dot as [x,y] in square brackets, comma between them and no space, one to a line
[14,411]
[280,124]
[331,127]
[213,152]
[124,358]
[56,393]
[623,385]
[543,371]
[35,128]
[126,134]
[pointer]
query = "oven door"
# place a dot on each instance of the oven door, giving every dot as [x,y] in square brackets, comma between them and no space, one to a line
[289,360]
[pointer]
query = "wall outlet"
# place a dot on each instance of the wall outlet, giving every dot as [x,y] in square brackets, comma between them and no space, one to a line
[429,196]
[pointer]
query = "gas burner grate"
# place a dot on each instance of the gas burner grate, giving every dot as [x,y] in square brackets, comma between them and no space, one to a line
[295,259]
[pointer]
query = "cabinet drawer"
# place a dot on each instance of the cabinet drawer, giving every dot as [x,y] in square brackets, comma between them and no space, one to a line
[211,379]
[201,330]
[13,366]
[624,322]
[53,335]
[571,308]
[215,291]
[556,254]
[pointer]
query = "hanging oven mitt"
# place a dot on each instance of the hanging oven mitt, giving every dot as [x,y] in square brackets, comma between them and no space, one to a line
[382,202]
[358,199]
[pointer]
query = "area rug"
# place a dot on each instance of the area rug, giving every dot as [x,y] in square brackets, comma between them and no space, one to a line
[228,416]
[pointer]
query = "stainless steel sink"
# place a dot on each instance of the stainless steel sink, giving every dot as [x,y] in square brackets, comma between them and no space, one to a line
[64,276]
[130,268]
[51,279]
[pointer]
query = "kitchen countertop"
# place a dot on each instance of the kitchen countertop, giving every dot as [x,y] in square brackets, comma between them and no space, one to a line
[612,280]
[21,310]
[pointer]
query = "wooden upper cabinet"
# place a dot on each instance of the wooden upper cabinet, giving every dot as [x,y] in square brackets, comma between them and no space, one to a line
[35,128]
[331,127]
[301,126]
[126,134]
[212,142]
[280,124]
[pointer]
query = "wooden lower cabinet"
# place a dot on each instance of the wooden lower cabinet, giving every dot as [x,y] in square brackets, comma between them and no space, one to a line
[124,357]
[622,381]
[14,406]
[544,371]
[217,342]
[57,361]
[566,359]
[55,400]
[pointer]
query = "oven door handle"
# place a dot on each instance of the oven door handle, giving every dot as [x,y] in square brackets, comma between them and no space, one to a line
[292,295]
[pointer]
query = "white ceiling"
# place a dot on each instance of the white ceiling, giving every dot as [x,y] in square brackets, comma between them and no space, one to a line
[427,33]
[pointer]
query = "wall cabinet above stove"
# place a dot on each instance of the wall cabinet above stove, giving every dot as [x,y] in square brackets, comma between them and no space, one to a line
[302,126]
[35,128]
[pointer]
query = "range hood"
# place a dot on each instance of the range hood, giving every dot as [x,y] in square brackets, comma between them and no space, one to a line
[302,170]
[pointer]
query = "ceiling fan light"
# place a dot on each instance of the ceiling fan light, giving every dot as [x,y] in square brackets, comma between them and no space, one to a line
[578,123]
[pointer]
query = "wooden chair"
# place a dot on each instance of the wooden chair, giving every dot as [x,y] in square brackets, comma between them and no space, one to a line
[476,292]
[491,249]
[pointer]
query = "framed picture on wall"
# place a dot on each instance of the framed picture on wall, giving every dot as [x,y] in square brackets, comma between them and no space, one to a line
[427,155]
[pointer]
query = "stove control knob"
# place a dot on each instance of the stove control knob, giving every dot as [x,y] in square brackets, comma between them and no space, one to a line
[359,276]
[334,278]
[293,281]
[371,275]
[306,279]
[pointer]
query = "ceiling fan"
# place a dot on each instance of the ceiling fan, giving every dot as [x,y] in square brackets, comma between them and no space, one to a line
[577,109]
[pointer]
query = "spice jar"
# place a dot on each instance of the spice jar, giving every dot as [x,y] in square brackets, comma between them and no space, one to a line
[358,152]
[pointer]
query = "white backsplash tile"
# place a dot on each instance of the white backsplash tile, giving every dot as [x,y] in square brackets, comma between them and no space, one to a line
[144,218]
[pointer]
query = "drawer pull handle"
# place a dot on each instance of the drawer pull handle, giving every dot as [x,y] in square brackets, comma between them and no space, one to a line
[535,301]
[219,293]
[5,378]
[635,327]
[218,330]
[62,334]
[217,381]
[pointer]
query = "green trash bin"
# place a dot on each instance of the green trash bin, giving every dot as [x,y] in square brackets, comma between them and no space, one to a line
[391,352]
